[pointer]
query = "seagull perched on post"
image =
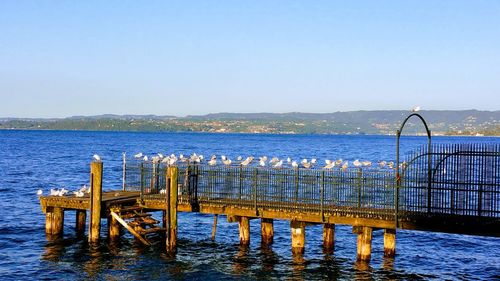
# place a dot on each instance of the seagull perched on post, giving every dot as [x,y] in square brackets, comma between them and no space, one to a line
[97,158]
[39,192]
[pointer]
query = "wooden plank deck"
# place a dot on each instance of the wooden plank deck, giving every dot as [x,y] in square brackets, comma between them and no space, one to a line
[70,202]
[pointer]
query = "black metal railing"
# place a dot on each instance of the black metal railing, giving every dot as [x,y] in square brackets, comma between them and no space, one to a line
[465,180]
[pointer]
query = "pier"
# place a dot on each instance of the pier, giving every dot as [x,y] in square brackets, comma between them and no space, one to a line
[453,188]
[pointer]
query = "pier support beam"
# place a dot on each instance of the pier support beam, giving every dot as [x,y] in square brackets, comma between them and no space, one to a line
[171,211]
[244,228]
[389,243]
[328,237]
[267,231]
[298,237]
[95,201]
[54,221]
[113,227]
[81,219]
[214,227]
[364,249]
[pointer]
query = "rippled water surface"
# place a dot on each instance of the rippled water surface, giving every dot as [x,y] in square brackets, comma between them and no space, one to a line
[30,160]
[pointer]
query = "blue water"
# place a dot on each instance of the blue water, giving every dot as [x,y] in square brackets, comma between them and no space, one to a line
[30,160]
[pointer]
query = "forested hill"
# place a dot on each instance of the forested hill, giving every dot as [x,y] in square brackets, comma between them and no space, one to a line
[462,122]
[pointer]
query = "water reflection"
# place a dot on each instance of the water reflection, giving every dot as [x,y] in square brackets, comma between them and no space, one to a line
[241,261]
[363,271]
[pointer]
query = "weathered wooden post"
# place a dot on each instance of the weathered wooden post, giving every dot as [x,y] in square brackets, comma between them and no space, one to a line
[267,231]
[364,247]
[81,219]
[95,201]
[113,225]
[214,227]
[328,237]
[298,237]
[389,243]
[244,228]
[49,216]
[171,212]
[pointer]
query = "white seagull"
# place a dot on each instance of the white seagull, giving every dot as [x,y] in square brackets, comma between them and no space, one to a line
[138,155]
[97,158]
[415,109]
[39,192]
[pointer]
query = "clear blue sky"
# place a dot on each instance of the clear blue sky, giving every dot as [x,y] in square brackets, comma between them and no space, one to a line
[64,58]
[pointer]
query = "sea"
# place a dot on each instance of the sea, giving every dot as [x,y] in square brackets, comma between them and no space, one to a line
[32,160]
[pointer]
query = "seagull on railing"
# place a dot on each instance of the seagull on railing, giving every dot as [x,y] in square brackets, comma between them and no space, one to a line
[345,166]
[145,158]
[213,160]
[78,193]
[366,163]
[39,192]
[329,165]
[85,189]
[338,162]
[54,192]
[97,158]
[247,161]
[227,161]
[295,165]
[278,164]
[262,162]
[273,161]
[239,158]
[155,159]
[289,160]
[356,163]
[138,155]
[382,163]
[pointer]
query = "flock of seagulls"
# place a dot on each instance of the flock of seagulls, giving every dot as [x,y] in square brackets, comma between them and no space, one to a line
[63,192]
[263,161]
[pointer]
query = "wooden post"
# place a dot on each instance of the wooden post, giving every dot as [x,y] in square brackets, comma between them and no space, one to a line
[364,249]
[389,243]
[244,228]
[95,201]
[49,216]
[171,241]
[58,221]
[267,231]
[81,218]
[298,237]
[328,237]
[113,227]
[214,227]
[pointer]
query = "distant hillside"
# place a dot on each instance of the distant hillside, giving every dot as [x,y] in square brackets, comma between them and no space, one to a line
[463,122]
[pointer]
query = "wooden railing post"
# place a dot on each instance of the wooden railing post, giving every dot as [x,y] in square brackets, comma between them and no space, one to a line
[171,212]
[95,201]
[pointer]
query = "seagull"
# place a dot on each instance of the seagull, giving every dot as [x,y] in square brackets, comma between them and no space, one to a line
[145,158]
[338,162]
[313,161]
[415,109]
[165,160]
[171,161]
[262,162]
[390,165]
[366,163]
[155,159]
[84,189]
[278,164]
[328,162]
[247,161]
[382,164]
[160,155]
[78,193]
[295,165]
[306,164]
[213,160]
[39,192]
[97,158]
[329,166]
[223,158]
[356,163]
[63,191]
[289,160]
[227,162]
[345,166]
[239,158]
[54,192]
[138,155]
[274,160]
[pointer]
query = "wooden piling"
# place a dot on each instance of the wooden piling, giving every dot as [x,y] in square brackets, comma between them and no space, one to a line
[244,228]
[267,231]
[171,212]
[49,215]
[214,227]
[364,247]
[58,221]
[113,227]
[95,201]
[389,243]
[298,237]
[81,219]
[328,237]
